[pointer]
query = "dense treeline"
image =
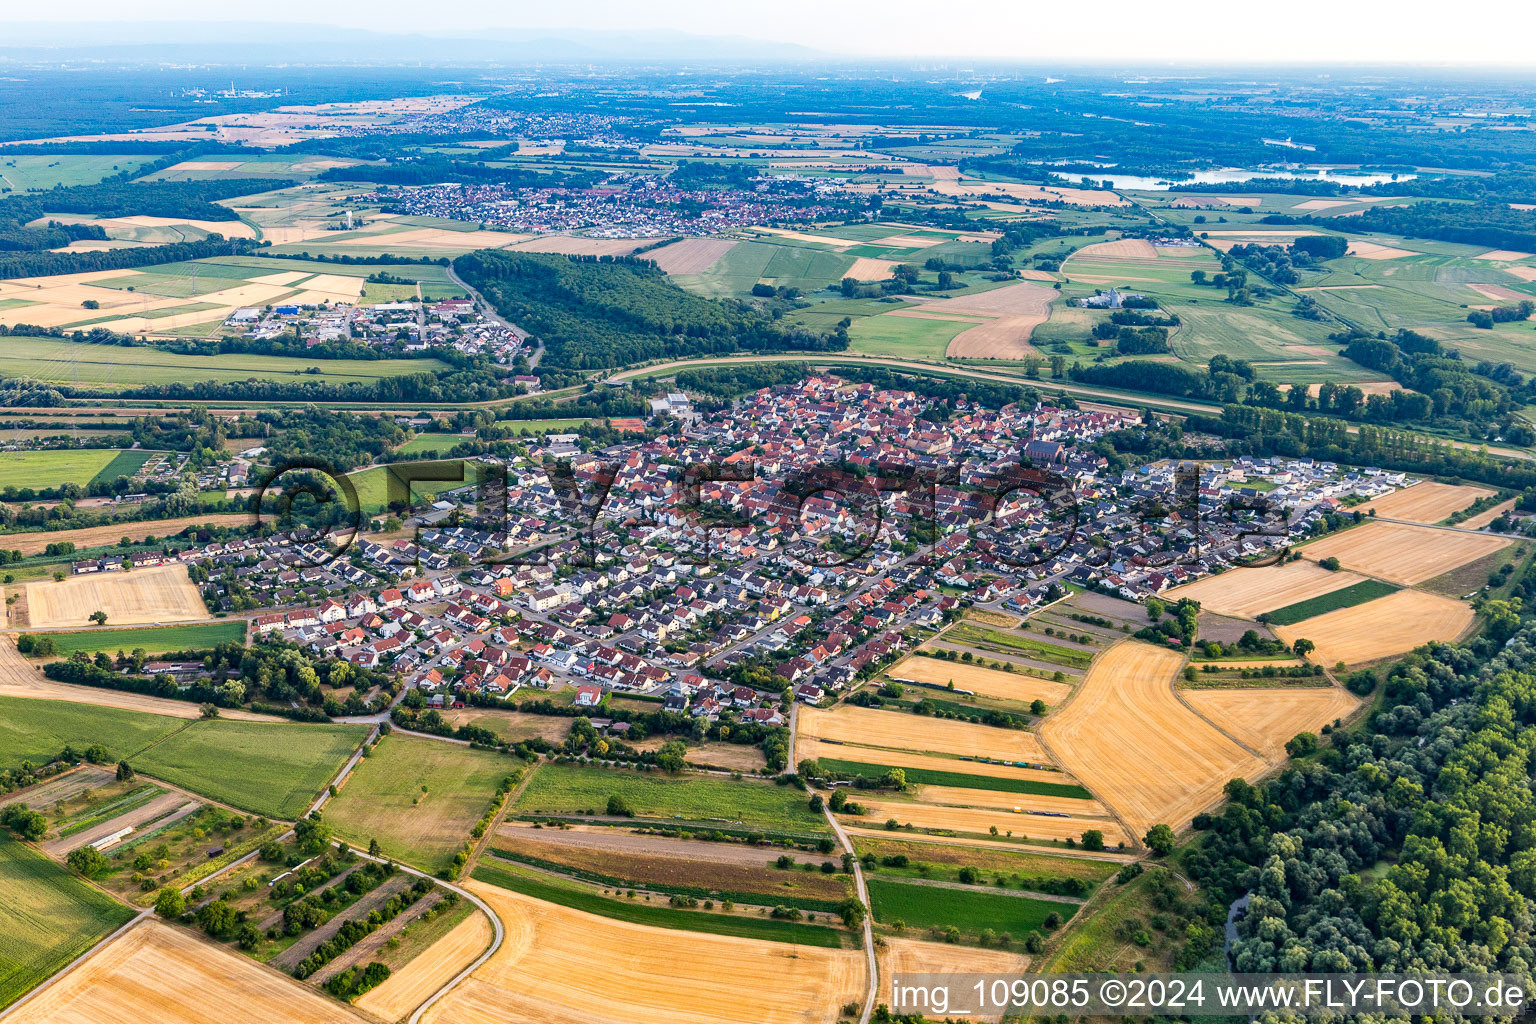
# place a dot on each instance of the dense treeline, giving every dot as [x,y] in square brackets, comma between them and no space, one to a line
[46,264]
[185,200]
[1476,393]
[343,439]
[1494,224]
[596,313]
[1406,845]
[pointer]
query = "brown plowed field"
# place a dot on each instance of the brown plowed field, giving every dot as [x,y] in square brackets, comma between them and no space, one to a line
[691,255]
[1129,739]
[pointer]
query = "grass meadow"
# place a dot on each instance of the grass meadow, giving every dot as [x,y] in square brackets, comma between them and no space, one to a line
[419,798]
[970,910]
[565,789]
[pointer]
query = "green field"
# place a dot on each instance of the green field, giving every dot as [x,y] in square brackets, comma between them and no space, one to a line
[997,640]
[568,894]
[1347,597]
[275,770]
[56,467]
[970,910]
[961,780]
[793,265]
[112,367]
[153,639]
[47,918]
[373,484]
[575,789]
[20,172]
[903,337]
[419,798]
[36,730]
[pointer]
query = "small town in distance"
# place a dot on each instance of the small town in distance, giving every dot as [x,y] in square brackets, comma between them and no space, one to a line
[704,520]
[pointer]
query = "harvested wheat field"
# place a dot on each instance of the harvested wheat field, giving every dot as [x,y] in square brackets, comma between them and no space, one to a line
[1007,337]
[1142,752]
[869,268]
[1487,516]
[1125,248]
[1266,719]
[814,748]
[161,594]
[1375,251]
[961,796]
[1381,628]
[988,682]
[1426,502]
[433,968]
[1523,273]
[691,255]
[902,731]
[1245,593]
[1499,293]
[980,820]
[162,974]
[562,966]
[1037,275]
[914,956]
[1401,553]
[1503,255]
[1020,297]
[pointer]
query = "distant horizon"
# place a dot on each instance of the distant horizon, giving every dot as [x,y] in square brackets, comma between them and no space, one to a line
[1309,34]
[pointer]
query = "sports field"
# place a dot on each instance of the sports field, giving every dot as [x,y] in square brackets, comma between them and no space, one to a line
[419,798]
[563,966]
[1129,739]
[158,594]
[275,769]
[157,972]
[47,918]
[1378,629]
[1402,553]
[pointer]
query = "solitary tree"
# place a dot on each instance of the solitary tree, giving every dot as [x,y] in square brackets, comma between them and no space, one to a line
[170,903]
[1159,840]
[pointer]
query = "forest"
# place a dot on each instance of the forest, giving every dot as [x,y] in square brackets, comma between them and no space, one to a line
[595,313]
[1405,844]
[46,264]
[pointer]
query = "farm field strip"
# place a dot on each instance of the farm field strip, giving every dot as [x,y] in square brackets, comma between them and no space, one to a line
[814,747]
[543,974]
[1427,502]
[157,972]
[1401,553]
[1246,593]
[979,821]
[899,731]
[1348,597]
[985,682]
[158,594]
[1378,629]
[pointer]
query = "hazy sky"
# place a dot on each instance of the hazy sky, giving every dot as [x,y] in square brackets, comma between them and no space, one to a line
[1413,31]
